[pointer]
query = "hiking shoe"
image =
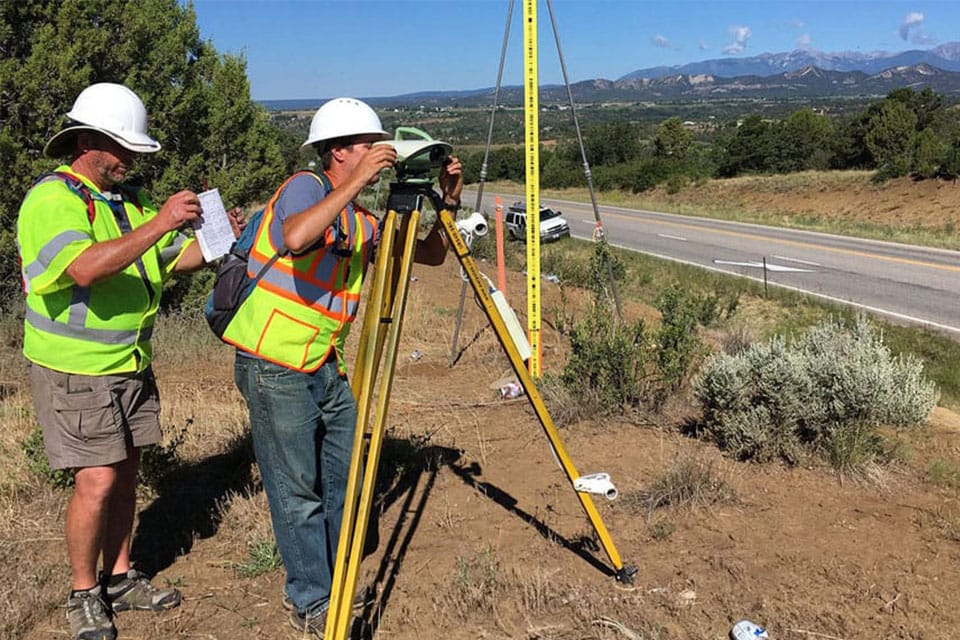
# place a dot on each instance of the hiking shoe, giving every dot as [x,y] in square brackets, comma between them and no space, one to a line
[135,593]
[311,624]
[88,616]
[361,600]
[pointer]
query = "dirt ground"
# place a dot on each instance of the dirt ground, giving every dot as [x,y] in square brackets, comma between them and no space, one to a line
[481,536]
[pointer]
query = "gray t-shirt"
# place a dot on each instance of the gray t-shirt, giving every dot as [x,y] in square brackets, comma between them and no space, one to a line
[301,193]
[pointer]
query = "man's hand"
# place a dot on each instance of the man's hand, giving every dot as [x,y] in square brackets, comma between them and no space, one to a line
[378,158]
[238,221]
[180,208]
[451,180]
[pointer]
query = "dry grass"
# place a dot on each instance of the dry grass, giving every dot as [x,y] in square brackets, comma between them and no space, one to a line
[688,482]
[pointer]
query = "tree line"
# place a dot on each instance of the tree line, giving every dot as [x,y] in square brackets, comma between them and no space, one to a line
[906,133]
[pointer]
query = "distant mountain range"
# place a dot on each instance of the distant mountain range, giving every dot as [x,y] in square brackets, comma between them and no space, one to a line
[798,74]
[946,57]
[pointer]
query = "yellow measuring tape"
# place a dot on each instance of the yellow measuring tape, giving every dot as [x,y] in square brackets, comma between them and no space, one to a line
[531,117]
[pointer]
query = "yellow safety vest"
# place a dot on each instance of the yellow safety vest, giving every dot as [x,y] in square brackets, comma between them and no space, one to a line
[302,307]
[104,328]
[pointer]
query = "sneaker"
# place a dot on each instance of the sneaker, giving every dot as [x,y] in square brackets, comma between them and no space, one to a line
[311,624]
[361,600]
[136,593]
[88,616]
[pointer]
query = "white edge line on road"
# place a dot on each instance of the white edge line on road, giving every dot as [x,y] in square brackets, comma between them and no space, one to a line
[885,312]
[667,235]
[812,264]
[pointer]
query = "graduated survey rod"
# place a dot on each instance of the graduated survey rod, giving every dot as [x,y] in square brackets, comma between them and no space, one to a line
[531,127]
[462,251]
[583,156]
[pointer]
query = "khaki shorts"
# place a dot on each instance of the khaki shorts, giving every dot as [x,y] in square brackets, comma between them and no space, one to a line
[91,421]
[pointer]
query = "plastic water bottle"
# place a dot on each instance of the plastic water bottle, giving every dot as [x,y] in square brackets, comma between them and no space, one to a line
[746,630]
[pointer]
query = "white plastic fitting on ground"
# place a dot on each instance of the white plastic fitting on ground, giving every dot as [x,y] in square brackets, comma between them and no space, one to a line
[596,483]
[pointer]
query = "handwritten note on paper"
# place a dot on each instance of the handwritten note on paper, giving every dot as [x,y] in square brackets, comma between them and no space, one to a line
[213,226]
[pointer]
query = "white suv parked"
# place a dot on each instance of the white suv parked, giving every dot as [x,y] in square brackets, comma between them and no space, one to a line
[552,225]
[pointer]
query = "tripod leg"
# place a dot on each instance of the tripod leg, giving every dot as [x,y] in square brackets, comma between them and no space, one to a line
[462,251]
[341,597]
[362,387]
[366,367]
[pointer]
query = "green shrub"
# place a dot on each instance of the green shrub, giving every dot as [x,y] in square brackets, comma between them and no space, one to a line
[263,557]
[607,364]
[682,311]
[36,456]
[826,393]
[615,365]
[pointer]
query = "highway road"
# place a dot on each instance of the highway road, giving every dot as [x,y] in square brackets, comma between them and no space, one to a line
[913,284]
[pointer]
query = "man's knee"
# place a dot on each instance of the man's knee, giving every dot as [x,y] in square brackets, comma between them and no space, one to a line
[95,483]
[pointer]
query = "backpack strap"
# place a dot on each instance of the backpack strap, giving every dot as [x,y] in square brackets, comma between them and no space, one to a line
[129,194]
[74,184]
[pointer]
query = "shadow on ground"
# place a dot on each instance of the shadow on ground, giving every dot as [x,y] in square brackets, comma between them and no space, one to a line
[190,504]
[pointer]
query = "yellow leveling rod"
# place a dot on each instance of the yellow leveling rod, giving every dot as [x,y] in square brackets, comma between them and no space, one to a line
[389,297]
[531,120]
[622,573]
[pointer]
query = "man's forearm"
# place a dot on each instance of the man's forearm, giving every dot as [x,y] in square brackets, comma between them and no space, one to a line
[190,260]
[104,259]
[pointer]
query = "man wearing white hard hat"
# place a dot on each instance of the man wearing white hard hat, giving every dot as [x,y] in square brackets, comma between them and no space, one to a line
[290,333]
[94,257]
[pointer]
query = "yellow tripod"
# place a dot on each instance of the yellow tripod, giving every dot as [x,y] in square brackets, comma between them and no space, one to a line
[379,339]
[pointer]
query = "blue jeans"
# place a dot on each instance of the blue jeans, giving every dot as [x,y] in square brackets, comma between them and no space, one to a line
[303,427]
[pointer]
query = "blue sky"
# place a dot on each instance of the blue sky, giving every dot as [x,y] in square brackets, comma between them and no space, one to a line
[368,48]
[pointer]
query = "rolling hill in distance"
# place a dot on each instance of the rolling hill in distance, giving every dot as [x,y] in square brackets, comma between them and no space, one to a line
[795,74]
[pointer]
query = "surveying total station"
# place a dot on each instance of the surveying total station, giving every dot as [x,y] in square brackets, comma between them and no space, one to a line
[418,158]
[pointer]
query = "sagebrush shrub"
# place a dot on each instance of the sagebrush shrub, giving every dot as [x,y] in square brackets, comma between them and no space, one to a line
[827,392]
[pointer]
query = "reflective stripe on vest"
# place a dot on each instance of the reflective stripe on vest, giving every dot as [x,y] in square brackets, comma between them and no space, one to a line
[50,250]
[301,308]
[80,332]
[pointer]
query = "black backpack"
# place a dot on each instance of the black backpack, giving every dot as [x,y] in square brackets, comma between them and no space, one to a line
[233,285]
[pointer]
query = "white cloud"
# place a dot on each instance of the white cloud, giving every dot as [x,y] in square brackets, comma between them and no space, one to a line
[703,46]
[912,29]
[911,22]
[661,41]
[803,42]
[740,37]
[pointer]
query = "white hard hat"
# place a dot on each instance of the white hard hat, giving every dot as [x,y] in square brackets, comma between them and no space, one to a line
[111,109]
[343,117]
